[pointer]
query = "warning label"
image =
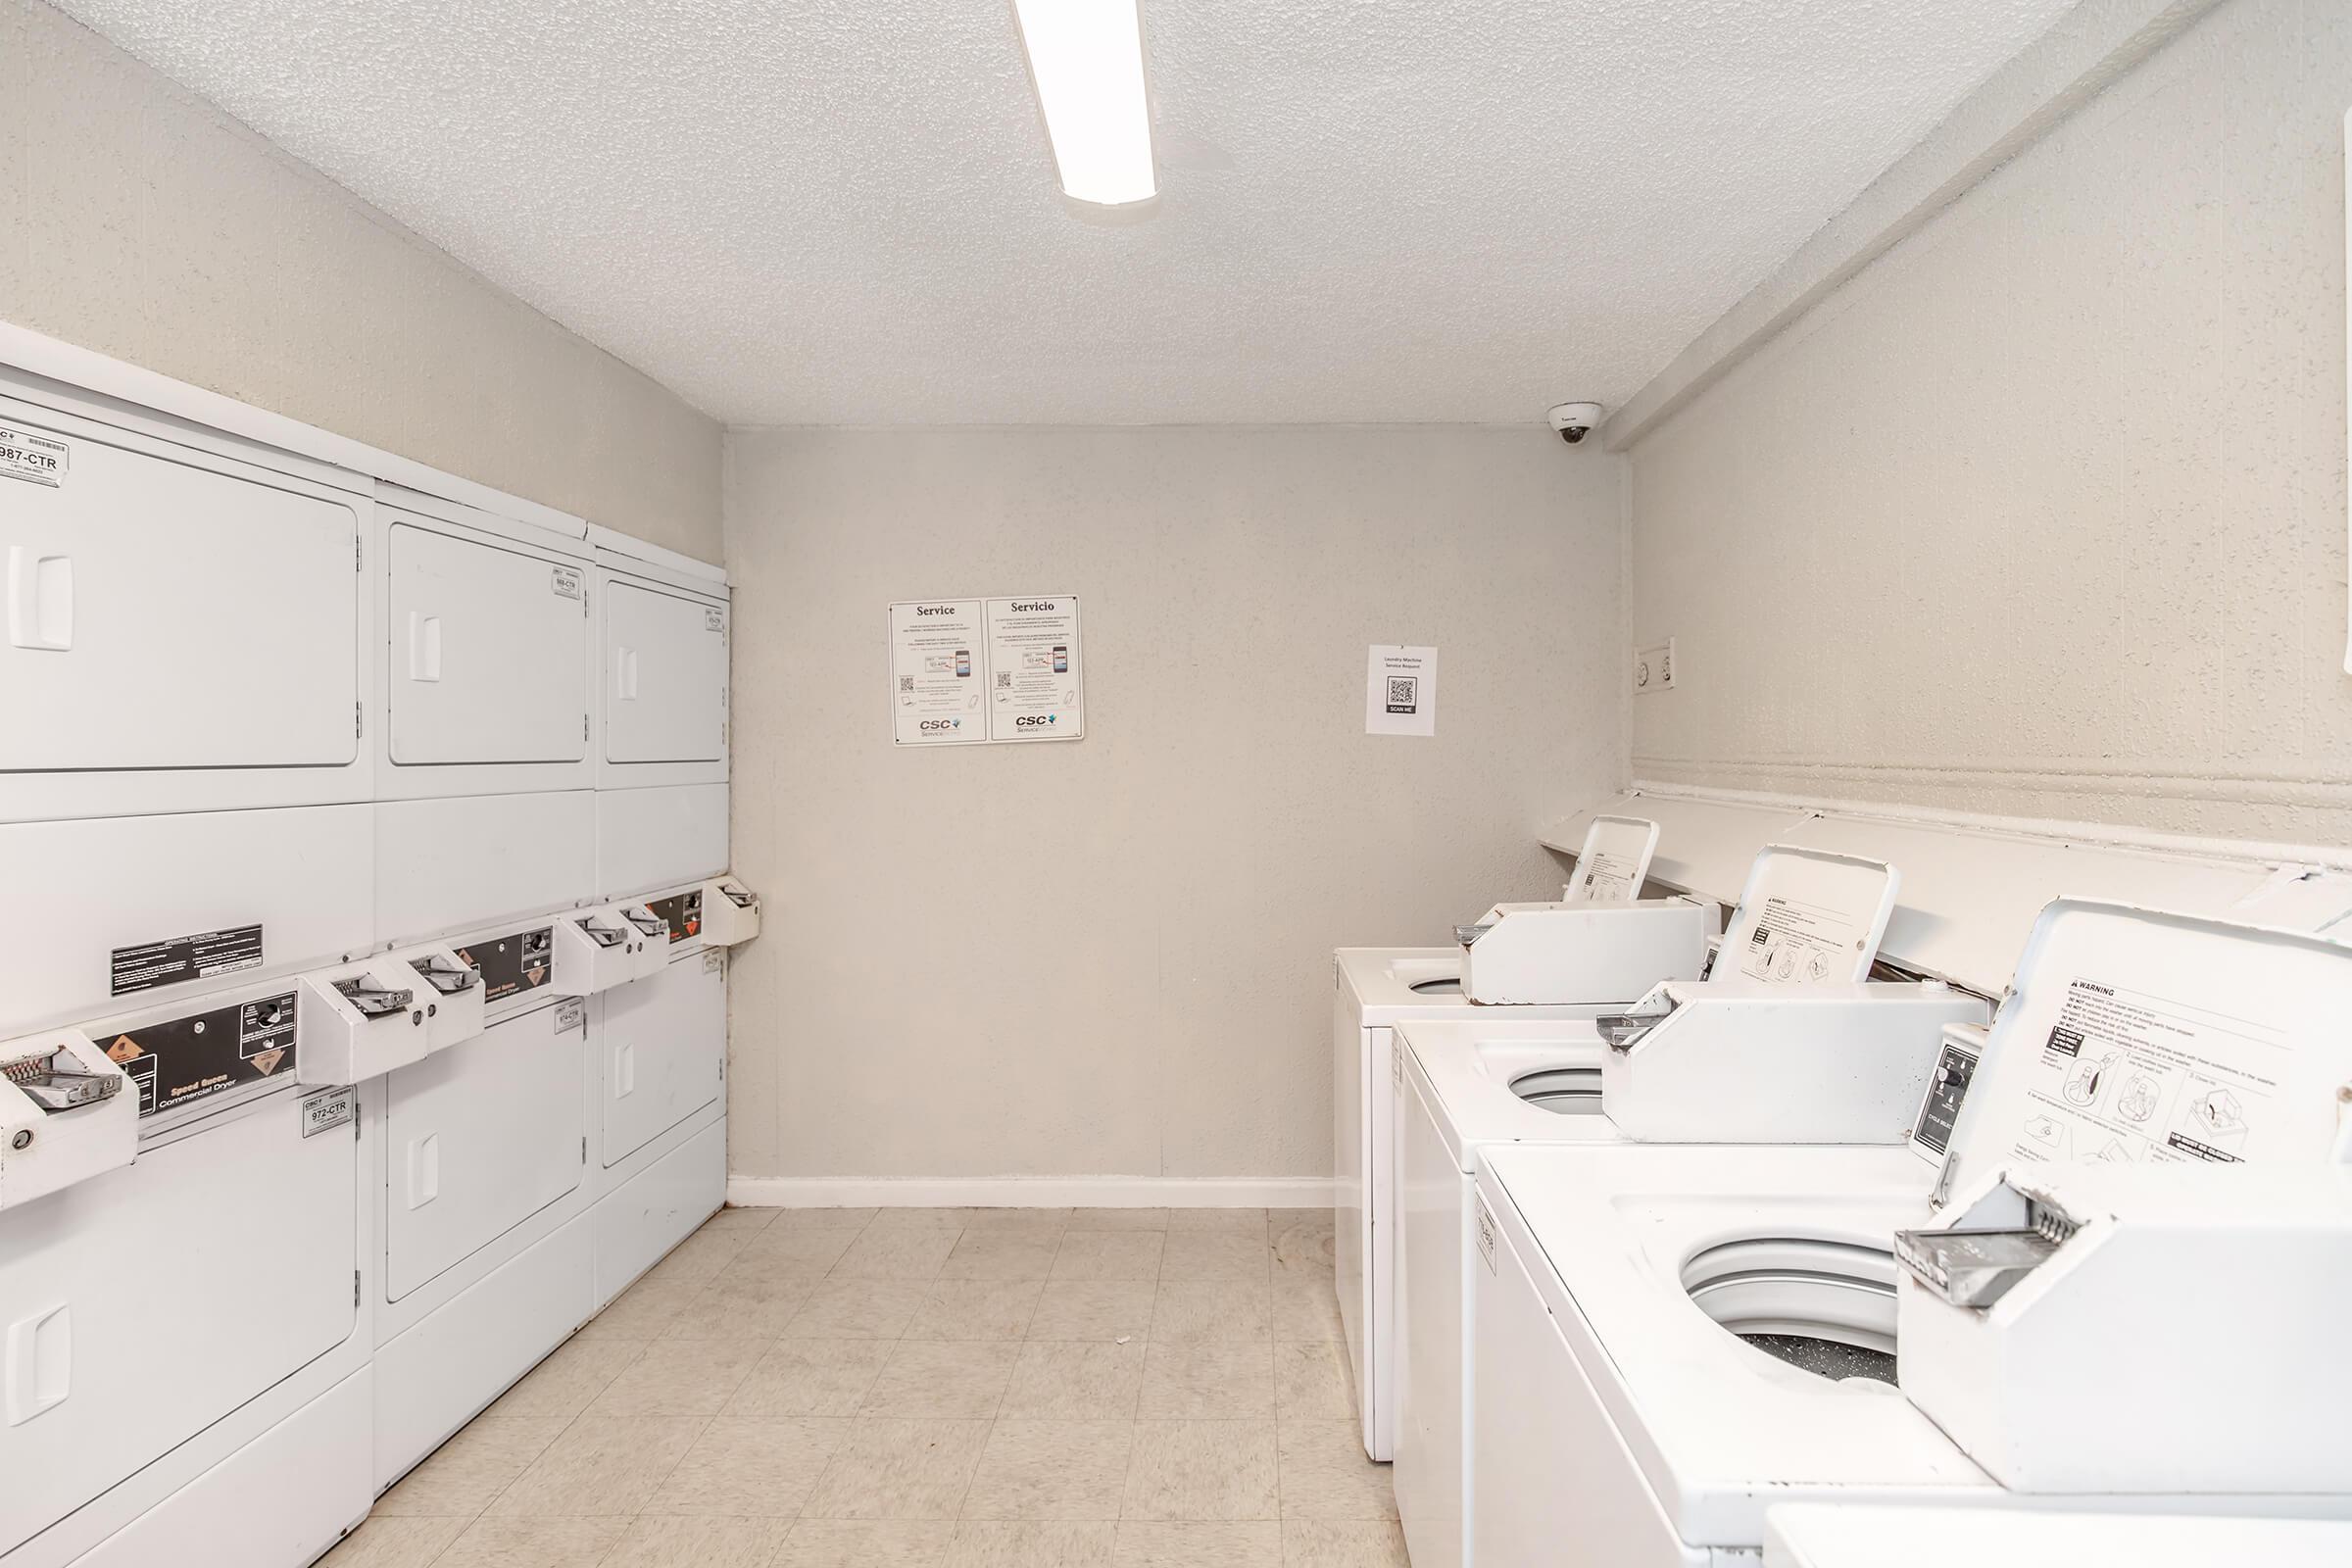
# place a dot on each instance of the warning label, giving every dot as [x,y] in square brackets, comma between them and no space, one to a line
[193,958]
[207,1054]
[2124,1075]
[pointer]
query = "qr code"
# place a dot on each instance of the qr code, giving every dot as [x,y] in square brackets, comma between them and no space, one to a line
[905,683]
[1403,694]
[1004,677]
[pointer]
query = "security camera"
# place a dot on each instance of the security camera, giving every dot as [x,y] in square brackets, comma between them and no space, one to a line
[1575,421]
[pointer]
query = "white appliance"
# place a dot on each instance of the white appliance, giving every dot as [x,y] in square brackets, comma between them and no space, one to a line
[2237,1271]
[63,1115]
[1469,1088]
[182,626]
[1869,1536]
[1375,987]
[485,682]
[190,1310]
[1685,1334]
[1598,940]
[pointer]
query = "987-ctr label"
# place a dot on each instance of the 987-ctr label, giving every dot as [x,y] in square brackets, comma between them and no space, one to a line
[25,456]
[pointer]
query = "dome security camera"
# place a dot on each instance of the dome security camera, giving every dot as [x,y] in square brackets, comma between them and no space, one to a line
[1576,421]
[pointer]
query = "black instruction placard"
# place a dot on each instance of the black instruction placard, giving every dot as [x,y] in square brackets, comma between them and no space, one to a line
[512,964]
[683,912]
[206,1053]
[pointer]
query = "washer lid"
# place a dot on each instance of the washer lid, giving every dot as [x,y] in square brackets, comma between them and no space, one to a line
[1807,916]
[2135,1035]
[1614,861]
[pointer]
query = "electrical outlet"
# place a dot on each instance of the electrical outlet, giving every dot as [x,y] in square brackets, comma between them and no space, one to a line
[1653,669]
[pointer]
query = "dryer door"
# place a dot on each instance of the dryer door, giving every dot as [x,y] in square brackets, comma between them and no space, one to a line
[665,675]
[158,614]
[141,1307]
[479,1137]
[666,1037]
[488,651]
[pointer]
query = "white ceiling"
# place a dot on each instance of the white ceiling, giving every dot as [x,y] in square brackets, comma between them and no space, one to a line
[842,212]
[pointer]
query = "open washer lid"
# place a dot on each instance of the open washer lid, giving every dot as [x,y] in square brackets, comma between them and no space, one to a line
[1807,916]
[1615,861]
[2137,1035]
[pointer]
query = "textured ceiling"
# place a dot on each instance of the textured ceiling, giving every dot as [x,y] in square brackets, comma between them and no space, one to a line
[842,212]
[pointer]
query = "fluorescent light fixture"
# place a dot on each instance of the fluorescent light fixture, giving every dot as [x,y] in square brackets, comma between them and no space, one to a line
[1087,60]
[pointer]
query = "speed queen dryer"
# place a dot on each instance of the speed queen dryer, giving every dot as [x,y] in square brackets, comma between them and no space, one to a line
[1378,986]
[486,1253]
[658,1147]
[661,773]
[1671,1338]
[1808,922]
[185,1374]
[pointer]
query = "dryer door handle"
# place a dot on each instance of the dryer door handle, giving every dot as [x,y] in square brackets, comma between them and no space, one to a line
[41,600]
[424,1170]
[40,1362]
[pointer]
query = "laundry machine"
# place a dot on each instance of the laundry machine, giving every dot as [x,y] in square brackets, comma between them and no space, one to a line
[188,1331]
[1873,1535]
[1614,946]
[1673,1337]
[657,1135]
[1793,1044]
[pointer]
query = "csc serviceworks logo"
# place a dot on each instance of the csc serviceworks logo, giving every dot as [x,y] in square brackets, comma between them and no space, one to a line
[1032,720]
[932,726]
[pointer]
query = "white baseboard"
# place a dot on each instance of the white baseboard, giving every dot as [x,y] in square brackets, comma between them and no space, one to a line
[1030,1192]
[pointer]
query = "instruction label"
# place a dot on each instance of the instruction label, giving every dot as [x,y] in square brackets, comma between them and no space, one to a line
[1400,690]
[1800,944]
[207,1054]
[2127,1076]
[36,458]
[1609,879]
[938,681]
[512,964]
[1036,685]
[683,912]
[200,957]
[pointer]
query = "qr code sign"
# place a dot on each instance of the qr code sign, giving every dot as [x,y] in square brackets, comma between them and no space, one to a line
[1405,694]
[905,683]
[1003,678]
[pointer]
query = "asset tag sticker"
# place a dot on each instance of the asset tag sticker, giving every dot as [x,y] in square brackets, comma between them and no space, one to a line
[327,1110]
[714,621]
[568,581]
[1486,1235]
[715,960]
[571,1014]
[1396,1062]
[34,458]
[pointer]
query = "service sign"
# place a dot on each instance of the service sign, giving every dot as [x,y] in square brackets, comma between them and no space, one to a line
[938,672]
[1036,679]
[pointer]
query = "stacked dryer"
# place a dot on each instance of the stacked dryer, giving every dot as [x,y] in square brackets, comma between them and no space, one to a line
[305,784]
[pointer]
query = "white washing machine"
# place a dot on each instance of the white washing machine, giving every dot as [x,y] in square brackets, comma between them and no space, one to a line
[1376,987]
[1870,1536]
[1672,1338]
[1473,1085]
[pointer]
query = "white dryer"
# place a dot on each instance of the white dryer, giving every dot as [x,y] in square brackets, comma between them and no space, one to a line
[1807,922]
[1873,1535]
[1674,1337]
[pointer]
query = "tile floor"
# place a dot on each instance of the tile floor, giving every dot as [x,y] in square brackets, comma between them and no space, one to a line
[928,1389]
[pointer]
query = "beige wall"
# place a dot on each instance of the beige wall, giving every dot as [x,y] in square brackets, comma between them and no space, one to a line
[1113,956]
[140,223]
[2044,514]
